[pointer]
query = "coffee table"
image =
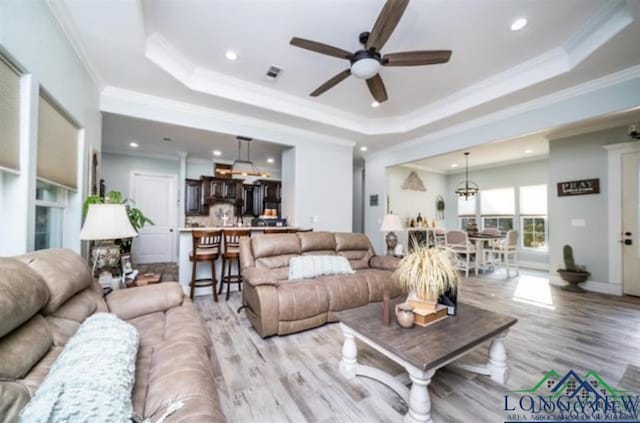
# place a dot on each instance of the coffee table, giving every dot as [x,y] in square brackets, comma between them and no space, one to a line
[423,350]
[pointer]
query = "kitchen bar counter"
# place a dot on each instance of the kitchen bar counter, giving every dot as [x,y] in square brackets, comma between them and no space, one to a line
[204,270]
[251,228]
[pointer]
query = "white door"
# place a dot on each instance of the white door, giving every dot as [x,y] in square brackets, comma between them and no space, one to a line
[631,222]
[155,196]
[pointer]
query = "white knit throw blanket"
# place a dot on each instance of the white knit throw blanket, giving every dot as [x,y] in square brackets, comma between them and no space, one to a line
[92,379]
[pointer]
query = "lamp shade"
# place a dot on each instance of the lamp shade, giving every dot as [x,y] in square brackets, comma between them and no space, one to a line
[390,223]
[106,222]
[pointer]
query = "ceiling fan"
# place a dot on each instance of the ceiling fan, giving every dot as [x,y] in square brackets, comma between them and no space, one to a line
[367,62]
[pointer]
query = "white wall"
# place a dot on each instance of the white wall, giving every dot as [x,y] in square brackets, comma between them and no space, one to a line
[574,158]
[407,204]
[288,188]
[31,37]
[116,170]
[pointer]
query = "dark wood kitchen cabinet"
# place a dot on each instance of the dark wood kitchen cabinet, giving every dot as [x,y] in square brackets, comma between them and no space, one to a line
[193,197]
[270,191]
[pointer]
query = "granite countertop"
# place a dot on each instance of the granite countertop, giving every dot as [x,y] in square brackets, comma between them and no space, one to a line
[252,228]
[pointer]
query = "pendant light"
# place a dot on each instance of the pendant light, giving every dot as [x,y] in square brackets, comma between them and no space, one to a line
[246,167]
[467,188]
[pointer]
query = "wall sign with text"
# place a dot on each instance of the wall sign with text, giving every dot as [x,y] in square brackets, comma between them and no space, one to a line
[582,187]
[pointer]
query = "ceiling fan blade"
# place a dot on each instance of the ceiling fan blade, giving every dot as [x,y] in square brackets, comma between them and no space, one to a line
[331,83]
[385,24]
[320,48]
[376,86]
[417,58]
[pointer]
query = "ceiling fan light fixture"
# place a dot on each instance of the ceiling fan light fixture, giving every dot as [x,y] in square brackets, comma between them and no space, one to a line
[365,68]
[231,55]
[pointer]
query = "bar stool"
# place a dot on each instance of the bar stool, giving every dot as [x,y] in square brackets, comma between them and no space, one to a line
[231,252]
[205,247]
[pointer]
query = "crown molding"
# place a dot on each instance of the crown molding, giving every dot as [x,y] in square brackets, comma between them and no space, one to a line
[612,18]
[60,13]
[540,102]
[145,106]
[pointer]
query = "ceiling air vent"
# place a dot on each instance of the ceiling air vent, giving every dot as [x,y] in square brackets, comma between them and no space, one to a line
[273,73]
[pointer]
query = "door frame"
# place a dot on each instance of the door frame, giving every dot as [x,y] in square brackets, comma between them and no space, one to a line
[614,165]
[173,217]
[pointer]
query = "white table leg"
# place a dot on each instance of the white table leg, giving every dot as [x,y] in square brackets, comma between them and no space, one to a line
[419,401]
[349,362]
[497,365]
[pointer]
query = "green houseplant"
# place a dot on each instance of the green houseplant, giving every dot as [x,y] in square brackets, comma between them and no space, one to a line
[427,273]
[572,273]
[136,217]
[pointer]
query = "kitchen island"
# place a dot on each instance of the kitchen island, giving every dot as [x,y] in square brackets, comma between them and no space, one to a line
[204,271]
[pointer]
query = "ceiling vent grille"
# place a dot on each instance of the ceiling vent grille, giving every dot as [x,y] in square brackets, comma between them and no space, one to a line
[273,73]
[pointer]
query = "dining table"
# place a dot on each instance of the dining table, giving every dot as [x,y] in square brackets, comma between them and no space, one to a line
[481,242]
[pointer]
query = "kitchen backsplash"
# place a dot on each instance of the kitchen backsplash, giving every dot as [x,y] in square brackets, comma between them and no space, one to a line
[217,212]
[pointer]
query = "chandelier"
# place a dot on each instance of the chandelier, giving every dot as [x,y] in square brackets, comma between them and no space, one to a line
[467,188]
[246,167]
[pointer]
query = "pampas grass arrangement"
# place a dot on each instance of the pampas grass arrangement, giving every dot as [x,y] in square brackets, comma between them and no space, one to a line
[429,272]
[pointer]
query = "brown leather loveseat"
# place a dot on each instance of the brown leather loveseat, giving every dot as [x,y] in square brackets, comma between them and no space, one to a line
[46,295]
[279,306]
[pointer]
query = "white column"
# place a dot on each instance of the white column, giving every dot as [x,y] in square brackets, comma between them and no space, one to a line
[497,365]
[419,400]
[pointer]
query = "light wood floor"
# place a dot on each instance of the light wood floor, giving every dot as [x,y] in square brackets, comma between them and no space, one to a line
[295,378]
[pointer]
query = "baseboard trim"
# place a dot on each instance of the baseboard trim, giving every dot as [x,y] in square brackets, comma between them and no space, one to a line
[593,286]
[533,265]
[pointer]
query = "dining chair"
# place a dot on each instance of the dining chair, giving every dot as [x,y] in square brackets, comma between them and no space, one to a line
[458,241]
[507,252]
[490,258]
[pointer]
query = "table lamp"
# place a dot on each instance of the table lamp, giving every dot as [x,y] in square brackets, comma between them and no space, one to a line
[391,223]
[105,223]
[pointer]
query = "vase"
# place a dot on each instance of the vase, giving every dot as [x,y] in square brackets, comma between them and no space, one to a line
[404,315]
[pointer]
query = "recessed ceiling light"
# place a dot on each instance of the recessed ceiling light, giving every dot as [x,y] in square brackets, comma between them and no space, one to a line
[270,160]
[363,148]
[375,104]
[217,153]
[134,144]
[231,55]
[454,164]
[518,24]
[528,151]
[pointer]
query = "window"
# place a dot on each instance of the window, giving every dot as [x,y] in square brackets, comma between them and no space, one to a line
[497,207]
[467,206]
[466,221]
[50,204]
[534,229]
[533,216]
[502,223]
[9,117]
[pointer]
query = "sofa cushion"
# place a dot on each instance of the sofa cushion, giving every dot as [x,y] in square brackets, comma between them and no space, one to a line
[64,272]
[275,245]
[301,299]
[13,396]
[346,291]
[356,248]
[93,378]
[22,294]
[306,267]
[275,262]
[317,241]
[377,282]
[141,300]
[21,349]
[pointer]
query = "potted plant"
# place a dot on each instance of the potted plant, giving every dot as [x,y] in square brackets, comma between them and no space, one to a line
[136,217]
[426,274]
[572,273]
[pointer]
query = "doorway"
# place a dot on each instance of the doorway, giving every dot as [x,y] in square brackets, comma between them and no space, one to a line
[631,223]
[155,195]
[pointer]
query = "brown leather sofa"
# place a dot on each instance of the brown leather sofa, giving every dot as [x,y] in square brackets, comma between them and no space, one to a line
[276,305]
[46,295]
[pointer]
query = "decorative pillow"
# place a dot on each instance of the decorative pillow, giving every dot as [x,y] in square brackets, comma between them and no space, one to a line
[92,379]
[306,267]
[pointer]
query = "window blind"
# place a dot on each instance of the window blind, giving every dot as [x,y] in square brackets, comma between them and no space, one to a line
[57,146]
[497,202]
[467,207]
[533,200]
[9,117]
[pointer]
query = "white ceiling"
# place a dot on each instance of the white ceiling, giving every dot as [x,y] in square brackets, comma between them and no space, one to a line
[118,131]
[175,49]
